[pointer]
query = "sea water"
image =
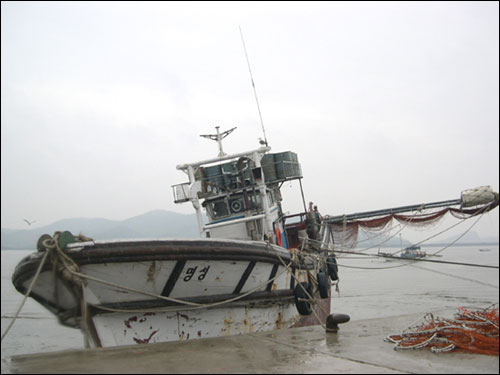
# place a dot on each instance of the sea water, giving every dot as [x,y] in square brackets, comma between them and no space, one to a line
[369,287]
[373,287]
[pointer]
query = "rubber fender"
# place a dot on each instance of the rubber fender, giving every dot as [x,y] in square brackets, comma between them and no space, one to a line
[332,268]
[323,284]
[39,245]
[303,307]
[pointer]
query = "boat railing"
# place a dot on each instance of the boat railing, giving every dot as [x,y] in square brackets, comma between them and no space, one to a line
[181,192]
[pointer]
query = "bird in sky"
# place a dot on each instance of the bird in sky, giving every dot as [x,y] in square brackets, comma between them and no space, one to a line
[29,222]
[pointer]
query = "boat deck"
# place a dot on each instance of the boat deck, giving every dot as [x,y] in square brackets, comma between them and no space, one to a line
[358,347]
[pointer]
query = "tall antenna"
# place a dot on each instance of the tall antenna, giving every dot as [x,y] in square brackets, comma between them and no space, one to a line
[253,85]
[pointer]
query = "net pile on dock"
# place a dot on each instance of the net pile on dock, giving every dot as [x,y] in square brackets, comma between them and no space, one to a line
[471,331]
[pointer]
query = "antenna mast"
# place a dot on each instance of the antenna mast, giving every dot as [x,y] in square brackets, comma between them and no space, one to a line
[253,85]
[218,137]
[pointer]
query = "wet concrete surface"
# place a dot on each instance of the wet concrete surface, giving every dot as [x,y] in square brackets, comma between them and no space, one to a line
[358,347]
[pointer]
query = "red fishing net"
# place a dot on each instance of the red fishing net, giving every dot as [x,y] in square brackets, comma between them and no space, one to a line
[347,233]
[472,331]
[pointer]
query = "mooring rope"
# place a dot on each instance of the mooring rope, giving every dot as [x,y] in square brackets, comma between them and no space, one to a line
[310,297]
[194,305]
[35,278]
[408,261]
[457,277]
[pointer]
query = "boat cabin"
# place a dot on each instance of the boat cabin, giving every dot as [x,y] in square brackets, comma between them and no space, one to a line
[240,194]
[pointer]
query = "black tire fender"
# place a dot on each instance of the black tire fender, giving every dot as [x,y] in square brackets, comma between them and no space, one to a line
[303,307]
[323,284]
[332,268]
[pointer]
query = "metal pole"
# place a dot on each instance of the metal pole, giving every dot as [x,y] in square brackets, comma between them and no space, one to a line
[387,211]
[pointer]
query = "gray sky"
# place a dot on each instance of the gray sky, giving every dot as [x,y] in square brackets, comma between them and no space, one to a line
[386,104]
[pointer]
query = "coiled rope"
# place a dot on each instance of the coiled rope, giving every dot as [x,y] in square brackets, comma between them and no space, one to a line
[473,331]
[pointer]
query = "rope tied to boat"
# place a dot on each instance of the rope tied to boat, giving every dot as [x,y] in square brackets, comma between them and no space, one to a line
[71,268]
[310,298]
[61,262]
[35,278]
[51,248]
[69,271]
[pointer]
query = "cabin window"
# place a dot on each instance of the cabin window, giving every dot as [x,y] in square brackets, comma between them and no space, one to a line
[217,209]
[235,204]
[220,208]
[254,201]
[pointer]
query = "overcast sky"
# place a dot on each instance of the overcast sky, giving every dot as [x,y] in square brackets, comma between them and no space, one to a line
[386,104]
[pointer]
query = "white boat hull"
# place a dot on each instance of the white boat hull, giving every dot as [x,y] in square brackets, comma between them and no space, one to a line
[136,292]
[141,328]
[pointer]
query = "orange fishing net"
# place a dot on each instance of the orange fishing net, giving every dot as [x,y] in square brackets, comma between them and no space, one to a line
[472,331]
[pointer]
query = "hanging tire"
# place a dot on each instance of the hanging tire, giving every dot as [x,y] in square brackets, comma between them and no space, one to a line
[303,307]
[332,268]
[40,245]
[323,284]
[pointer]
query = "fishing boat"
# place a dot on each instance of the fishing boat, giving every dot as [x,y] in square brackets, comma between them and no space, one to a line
[252,269]
[413,252]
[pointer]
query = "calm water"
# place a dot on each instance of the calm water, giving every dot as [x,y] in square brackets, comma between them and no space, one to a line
[380,288]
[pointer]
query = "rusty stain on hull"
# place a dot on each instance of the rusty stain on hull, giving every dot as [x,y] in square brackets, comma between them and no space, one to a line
[152,272]
[268,309]
[127,322]
[145,341]
[279,321]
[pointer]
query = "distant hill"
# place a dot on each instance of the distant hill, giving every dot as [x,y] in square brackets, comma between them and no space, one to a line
[161,224]
[470,238]
[154,224]
[373,240]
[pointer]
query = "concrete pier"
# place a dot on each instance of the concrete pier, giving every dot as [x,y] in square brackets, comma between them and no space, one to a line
[358,347]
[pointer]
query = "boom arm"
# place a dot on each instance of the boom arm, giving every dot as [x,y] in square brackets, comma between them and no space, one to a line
[473,197]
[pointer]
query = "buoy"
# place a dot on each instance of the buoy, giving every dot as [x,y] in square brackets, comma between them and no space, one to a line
[333,320]
[39,245]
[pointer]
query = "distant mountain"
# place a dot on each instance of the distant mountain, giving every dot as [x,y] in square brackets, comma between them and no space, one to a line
[470,237]
[161,224]
[373,240]
[492,239]
[154,224]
